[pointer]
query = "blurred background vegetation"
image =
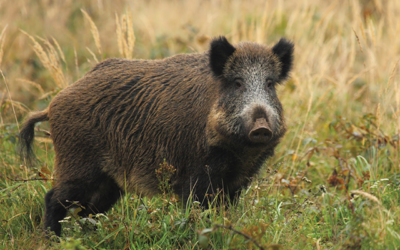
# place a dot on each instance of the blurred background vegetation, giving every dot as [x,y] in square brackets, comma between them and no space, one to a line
[342,107]
[346,51]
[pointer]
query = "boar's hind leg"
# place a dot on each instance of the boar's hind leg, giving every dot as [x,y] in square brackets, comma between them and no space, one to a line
[57,200]
[96,195]
[54,213]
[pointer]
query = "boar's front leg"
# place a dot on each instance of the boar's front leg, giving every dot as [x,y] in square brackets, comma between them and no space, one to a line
[218,180]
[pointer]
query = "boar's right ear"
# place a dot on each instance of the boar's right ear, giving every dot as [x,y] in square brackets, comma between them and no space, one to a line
[220,51]
[284,50]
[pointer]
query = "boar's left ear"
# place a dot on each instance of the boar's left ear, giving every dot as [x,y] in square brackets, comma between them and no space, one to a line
[284,50]
[220,51]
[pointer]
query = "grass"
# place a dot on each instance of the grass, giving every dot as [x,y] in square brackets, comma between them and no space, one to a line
[334,182]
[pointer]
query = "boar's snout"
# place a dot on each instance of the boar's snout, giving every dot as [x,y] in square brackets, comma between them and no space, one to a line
[261,132]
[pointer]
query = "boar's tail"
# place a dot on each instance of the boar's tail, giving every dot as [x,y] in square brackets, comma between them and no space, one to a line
[27,134]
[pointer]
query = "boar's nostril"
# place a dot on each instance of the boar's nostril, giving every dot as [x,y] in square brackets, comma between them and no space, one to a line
[260,135]
[261,132]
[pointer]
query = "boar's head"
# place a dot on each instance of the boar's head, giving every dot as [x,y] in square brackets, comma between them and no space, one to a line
[248,111]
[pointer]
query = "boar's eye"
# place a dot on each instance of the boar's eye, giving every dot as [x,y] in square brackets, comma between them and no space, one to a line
[238,83]
[270,83]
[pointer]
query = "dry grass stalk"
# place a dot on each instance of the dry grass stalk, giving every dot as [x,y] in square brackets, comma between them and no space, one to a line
[34,84]
[119,35]
[3,96]
[131,35]
[124,40]
[17,106]
[92,53]
[95,32]
[47,94]
[43,139]
[125,36]
[2,39]
[76,63]
[9,96]
[366,195]
[60,52]
[49,59]
[393,74]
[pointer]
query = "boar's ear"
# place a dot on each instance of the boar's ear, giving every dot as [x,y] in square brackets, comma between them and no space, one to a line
[220,51]
[284,50]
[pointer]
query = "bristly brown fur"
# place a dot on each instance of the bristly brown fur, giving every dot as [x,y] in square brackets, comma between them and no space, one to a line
[114,127]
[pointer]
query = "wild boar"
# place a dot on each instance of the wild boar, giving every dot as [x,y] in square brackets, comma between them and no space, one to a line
[214,116]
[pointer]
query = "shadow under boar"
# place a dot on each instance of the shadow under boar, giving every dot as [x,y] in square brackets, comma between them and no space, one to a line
[214,116]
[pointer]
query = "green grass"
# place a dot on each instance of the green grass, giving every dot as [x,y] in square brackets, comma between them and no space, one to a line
[307,210]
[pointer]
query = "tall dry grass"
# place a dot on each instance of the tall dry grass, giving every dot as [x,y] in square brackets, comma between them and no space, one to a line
[346,57]
[347,52]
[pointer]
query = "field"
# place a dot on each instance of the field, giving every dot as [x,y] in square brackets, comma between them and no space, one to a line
[334,182]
